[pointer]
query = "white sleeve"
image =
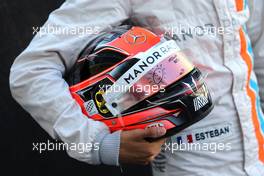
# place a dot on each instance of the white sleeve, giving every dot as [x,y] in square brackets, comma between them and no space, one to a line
[36,77]
[255,28]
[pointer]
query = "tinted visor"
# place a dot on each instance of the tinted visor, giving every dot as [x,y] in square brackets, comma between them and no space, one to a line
[191,85]
[146,75]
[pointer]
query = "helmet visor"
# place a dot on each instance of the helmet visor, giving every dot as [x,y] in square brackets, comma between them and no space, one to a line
[156,69]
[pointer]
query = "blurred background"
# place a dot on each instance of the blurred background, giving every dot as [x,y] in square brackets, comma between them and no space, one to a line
[18,129]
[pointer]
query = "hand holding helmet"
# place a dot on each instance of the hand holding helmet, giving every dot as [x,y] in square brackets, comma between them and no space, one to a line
[135,149]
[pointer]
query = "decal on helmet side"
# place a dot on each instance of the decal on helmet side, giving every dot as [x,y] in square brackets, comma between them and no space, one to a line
[90,107]
[201,100]
[133,37]
[100,102]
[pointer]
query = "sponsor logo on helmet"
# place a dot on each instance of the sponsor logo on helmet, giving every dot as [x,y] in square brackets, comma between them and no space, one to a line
[199,102]
[157,124]
[90,107]
[149,62]
[133,38]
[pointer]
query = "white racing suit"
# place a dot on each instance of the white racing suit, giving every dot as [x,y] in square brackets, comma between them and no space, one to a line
[223,38]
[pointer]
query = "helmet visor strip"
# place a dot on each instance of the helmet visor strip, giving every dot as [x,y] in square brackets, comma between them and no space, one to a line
[157,68]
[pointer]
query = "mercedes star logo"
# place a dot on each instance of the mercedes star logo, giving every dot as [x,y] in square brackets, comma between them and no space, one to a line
[132,38]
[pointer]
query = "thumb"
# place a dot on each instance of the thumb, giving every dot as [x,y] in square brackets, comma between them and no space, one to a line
[141,134]
[154,132]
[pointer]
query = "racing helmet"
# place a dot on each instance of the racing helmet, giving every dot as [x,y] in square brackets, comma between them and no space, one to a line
[130,78]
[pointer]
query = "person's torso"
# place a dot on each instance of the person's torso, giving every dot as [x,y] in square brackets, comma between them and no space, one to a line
[212,35]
